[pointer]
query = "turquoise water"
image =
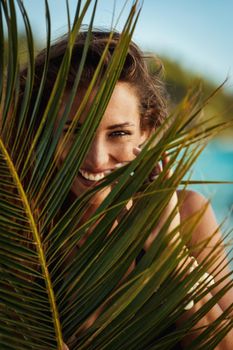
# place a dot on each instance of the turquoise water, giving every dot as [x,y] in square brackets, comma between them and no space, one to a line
[216,164]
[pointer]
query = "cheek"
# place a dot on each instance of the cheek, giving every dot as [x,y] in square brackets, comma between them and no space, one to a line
[125,150]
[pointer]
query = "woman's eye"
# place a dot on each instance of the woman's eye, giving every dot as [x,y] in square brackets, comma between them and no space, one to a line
[76,130]
[68,124]
[119,133]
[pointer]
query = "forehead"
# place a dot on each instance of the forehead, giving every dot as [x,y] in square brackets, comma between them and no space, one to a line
[123,105]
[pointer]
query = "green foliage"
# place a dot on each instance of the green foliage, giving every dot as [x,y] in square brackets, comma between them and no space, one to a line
[45,295]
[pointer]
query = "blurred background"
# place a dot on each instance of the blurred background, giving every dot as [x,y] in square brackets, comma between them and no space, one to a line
[194,40]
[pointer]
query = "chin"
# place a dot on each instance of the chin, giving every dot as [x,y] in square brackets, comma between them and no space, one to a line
[100,196]
[79,189]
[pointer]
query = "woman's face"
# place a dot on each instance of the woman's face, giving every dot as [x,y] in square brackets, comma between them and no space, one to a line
[116,137]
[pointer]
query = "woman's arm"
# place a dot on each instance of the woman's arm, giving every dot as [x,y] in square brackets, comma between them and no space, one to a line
[192,203]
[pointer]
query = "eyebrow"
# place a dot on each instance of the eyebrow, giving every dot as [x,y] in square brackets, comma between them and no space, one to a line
[110,127]
[116,126]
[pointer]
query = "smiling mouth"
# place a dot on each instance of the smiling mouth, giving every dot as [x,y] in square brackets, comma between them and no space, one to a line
[96,177]
[93,177]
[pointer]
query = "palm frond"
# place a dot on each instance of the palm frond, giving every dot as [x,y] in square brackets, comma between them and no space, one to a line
[50,286]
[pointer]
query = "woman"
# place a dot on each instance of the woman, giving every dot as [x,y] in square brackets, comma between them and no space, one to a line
[137,107]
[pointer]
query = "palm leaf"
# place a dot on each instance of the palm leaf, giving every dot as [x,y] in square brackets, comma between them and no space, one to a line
[46,298]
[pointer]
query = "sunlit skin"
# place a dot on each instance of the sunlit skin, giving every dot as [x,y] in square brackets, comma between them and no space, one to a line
[118,134]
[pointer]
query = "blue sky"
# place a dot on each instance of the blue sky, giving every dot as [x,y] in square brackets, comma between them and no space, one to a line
[196,33]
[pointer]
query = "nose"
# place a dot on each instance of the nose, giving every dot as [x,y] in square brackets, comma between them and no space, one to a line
[98,156]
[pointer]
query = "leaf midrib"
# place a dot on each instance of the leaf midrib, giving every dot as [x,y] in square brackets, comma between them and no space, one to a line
[39,246]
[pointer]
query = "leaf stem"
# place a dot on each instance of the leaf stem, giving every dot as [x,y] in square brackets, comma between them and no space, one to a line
[39,245]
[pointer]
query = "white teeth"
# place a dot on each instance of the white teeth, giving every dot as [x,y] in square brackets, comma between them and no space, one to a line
[119,165]
[93,177]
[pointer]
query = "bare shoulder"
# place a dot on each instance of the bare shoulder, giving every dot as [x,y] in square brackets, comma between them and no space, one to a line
[193,202]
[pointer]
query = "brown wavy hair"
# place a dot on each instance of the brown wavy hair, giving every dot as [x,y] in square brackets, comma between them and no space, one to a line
[149,89]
